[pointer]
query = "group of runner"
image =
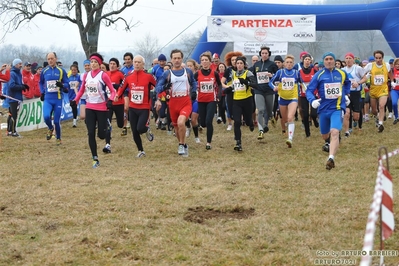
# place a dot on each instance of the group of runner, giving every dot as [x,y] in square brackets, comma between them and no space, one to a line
[176,94]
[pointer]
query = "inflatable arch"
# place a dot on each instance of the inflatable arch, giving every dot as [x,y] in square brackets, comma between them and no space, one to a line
[382,16]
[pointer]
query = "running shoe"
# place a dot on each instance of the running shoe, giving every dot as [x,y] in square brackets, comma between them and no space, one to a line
[390,115]
[260,136]
[326,147]
[107,148]
[58,142]
[180,150]
[289,143]
[128,124]
[149,135]
[188,131]
[74,123]
[9,134]
[330,164]
[208,146]
[185,151]
[15,134]
[316,124]
[354,123]
[380,128]
[347,134]
[49,134]
[219,120]
[251,128]
[238,146]
[96,162]
[395,121]
[229,127]
[124,131]
[265,129]
[273,121]
[197,140]
[140,154]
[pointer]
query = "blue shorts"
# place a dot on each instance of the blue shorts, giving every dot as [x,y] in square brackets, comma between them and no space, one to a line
[284,102]
[195,107]
[82,101]
[330,120]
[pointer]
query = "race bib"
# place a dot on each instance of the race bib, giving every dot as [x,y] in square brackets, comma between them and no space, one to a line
[332,91]
[51,87]
[238,86]
[379,79]
[74,85]
[206,87]
[262,77]
[92,90]
[287,84]
[137,96]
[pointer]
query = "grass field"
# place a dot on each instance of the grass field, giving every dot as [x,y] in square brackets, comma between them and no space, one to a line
[268,205]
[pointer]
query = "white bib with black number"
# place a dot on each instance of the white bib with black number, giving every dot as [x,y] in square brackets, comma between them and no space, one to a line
[262,77]
[287,84]
[332,91]
[137,95]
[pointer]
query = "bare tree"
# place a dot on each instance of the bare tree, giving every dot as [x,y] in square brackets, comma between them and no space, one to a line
[148,47]
[87,15]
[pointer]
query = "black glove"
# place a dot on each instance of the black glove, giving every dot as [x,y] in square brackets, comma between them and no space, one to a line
[59,84]
[193,96]
[109,104]
[2,97]
[228,90]
[243,81]
[26,87]
[72,103]
[42,97]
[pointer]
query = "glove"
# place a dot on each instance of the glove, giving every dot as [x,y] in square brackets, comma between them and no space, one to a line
[72,103]
[109,104]
[42,97]
[59,84]
[2,97]
[316,103]
[193,96]
[243,81]
[26,87]
[393,84]
[347,100]
[368,75]
[228,90]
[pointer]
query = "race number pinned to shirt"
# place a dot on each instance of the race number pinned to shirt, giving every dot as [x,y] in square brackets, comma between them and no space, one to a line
[91,89]
[206,87]
[379,79]
[332,91]
[238,86]
[51,87]
[137,94]
[262,77]
[74,85]
[287,84]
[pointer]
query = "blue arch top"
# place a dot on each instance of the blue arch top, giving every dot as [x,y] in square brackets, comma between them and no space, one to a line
[382,16]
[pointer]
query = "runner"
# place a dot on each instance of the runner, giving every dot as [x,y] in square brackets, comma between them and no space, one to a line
[288,82]
[97,102]
[395,89]
[139,84]
[182,85]
[194,117]
[74,85]
[208,94]
[333,88]
[53,82]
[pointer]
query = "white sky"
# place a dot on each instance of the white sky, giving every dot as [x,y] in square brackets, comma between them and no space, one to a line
[159,17]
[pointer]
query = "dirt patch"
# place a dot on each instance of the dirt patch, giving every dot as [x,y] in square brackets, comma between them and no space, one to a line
[201,214]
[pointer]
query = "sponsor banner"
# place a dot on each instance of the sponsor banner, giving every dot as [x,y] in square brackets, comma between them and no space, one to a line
[30,115]
[287,28]
[253,48]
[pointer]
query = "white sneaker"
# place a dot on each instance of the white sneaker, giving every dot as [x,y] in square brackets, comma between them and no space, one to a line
[74,123]
[197,140]
[140,154]
[229,127]
[390,115]
[188,130]
[181,150]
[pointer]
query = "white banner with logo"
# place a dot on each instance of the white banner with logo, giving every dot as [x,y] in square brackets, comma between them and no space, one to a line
[253,48]
[287,28]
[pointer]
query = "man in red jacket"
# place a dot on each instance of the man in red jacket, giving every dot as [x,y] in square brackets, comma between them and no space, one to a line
[4,77]
[28,79]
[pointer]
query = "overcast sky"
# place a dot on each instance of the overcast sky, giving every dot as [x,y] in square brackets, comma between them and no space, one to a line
[160,17]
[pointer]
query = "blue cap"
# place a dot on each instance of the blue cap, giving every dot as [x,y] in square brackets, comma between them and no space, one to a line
[391,61]
[328,54]
[86,62]
[371,58]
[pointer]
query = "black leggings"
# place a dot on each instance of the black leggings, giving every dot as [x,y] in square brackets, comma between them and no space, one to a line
[120,116]
[12,117]
[222,109]
[242,108]
[93,118]
[305,114]
[139,119]
[207,111]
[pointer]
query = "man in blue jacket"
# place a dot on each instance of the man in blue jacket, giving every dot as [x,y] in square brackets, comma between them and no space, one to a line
[333,87]
[53,82]
[14,91]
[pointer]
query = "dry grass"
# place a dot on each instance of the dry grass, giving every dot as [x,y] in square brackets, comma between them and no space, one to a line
[277,206]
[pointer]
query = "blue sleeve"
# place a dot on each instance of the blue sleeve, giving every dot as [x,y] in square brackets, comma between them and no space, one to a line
[276,77]
[65,79]
[161,82]
[42,83]
[193,82]
[13,83]
[347,85]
